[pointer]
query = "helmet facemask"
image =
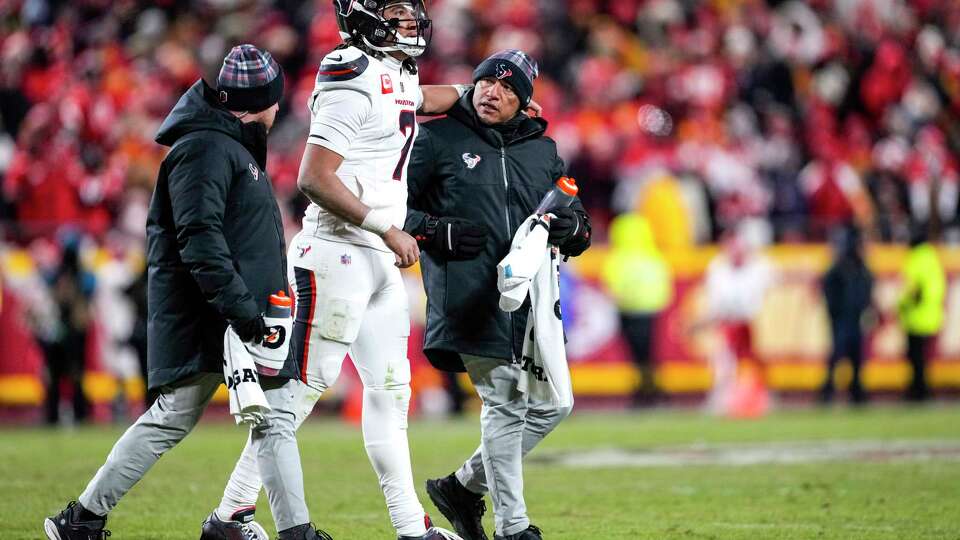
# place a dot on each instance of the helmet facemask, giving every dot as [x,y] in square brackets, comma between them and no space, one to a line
[382,24]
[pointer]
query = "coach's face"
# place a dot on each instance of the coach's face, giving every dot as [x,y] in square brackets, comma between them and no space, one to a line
[495,101]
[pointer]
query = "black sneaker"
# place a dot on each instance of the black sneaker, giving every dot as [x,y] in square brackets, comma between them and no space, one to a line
[67,525]
[240,526]
[304,532]
[530,533]
[462,508]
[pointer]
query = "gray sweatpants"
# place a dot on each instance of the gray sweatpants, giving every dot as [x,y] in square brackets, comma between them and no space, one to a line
[173,416]
[511,425]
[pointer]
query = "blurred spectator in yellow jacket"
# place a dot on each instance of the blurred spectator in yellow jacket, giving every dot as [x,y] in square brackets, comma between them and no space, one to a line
[641,283]
[662,205]
[921,308]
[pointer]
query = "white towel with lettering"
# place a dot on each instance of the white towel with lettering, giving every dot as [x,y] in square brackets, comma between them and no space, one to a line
[533,267]
[248,404]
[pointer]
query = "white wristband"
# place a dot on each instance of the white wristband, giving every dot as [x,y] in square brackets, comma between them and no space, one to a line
[462,89]
[377,221]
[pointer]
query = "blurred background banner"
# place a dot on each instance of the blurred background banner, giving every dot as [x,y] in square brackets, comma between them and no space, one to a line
[791,333]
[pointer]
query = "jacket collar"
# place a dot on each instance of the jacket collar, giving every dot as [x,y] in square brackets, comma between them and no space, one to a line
[253,135]
[199,109]
[463,112]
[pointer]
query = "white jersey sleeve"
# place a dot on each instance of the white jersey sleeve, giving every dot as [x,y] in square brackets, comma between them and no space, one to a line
[341,102]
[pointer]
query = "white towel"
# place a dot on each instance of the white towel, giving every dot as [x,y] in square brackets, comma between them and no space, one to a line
[248,404]
[517,270]
[272,353]
[533,267]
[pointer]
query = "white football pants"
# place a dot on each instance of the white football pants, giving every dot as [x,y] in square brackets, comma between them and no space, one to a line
[350,299]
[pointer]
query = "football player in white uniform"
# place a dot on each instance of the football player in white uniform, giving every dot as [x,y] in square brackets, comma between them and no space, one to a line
[344,266]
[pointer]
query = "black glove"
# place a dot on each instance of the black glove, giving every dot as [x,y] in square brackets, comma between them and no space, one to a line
[252,330]
[454,238]
[563,226]
[570,230]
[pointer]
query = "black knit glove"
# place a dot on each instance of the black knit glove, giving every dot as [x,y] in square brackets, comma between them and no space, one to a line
[252,330]
[454,238]
[564,225]
[570,230]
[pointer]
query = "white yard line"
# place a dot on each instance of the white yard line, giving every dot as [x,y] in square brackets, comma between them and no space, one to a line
[814,526]
[756,454]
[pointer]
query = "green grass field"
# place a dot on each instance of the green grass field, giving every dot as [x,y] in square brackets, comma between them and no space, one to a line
[873,497]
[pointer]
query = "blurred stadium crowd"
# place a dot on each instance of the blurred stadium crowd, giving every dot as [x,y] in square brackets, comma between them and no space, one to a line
[695,114]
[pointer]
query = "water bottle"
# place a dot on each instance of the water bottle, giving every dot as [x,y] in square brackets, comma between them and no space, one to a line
[271,357]
[279,306]
[562,194]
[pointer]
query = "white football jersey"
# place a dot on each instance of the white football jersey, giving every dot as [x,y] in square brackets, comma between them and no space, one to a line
[364,109]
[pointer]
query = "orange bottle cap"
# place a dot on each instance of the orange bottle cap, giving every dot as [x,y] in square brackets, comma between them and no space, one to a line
[281,299]
[568,185]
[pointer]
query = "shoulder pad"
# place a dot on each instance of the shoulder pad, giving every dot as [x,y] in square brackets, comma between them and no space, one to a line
[342,65]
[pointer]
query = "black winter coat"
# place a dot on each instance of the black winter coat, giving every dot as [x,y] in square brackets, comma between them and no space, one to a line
[461,168]
[215,247]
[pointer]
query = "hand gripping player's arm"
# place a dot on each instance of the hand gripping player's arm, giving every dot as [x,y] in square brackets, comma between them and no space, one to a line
[199,184]
[339,113]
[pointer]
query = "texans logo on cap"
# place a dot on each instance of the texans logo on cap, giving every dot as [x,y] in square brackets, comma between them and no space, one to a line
[503,71]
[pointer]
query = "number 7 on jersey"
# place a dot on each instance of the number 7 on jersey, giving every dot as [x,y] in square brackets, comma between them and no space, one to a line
[408,126]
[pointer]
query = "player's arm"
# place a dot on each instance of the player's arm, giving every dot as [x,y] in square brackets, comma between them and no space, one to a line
[437,99]
[318,180]
[338,116]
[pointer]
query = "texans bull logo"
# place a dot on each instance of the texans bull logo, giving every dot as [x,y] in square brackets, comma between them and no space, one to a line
[503,71]
[470,159]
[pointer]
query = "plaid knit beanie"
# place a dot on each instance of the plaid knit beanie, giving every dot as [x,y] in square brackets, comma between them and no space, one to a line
[513,66]
[249,80]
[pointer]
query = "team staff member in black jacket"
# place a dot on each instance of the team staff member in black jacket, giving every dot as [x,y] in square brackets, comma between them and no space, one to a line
[473,178]
[215,252]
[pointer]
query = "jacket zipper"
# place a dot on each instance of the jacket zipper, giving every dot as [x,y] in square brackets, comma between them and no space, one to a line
[506,190]
[510,232]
